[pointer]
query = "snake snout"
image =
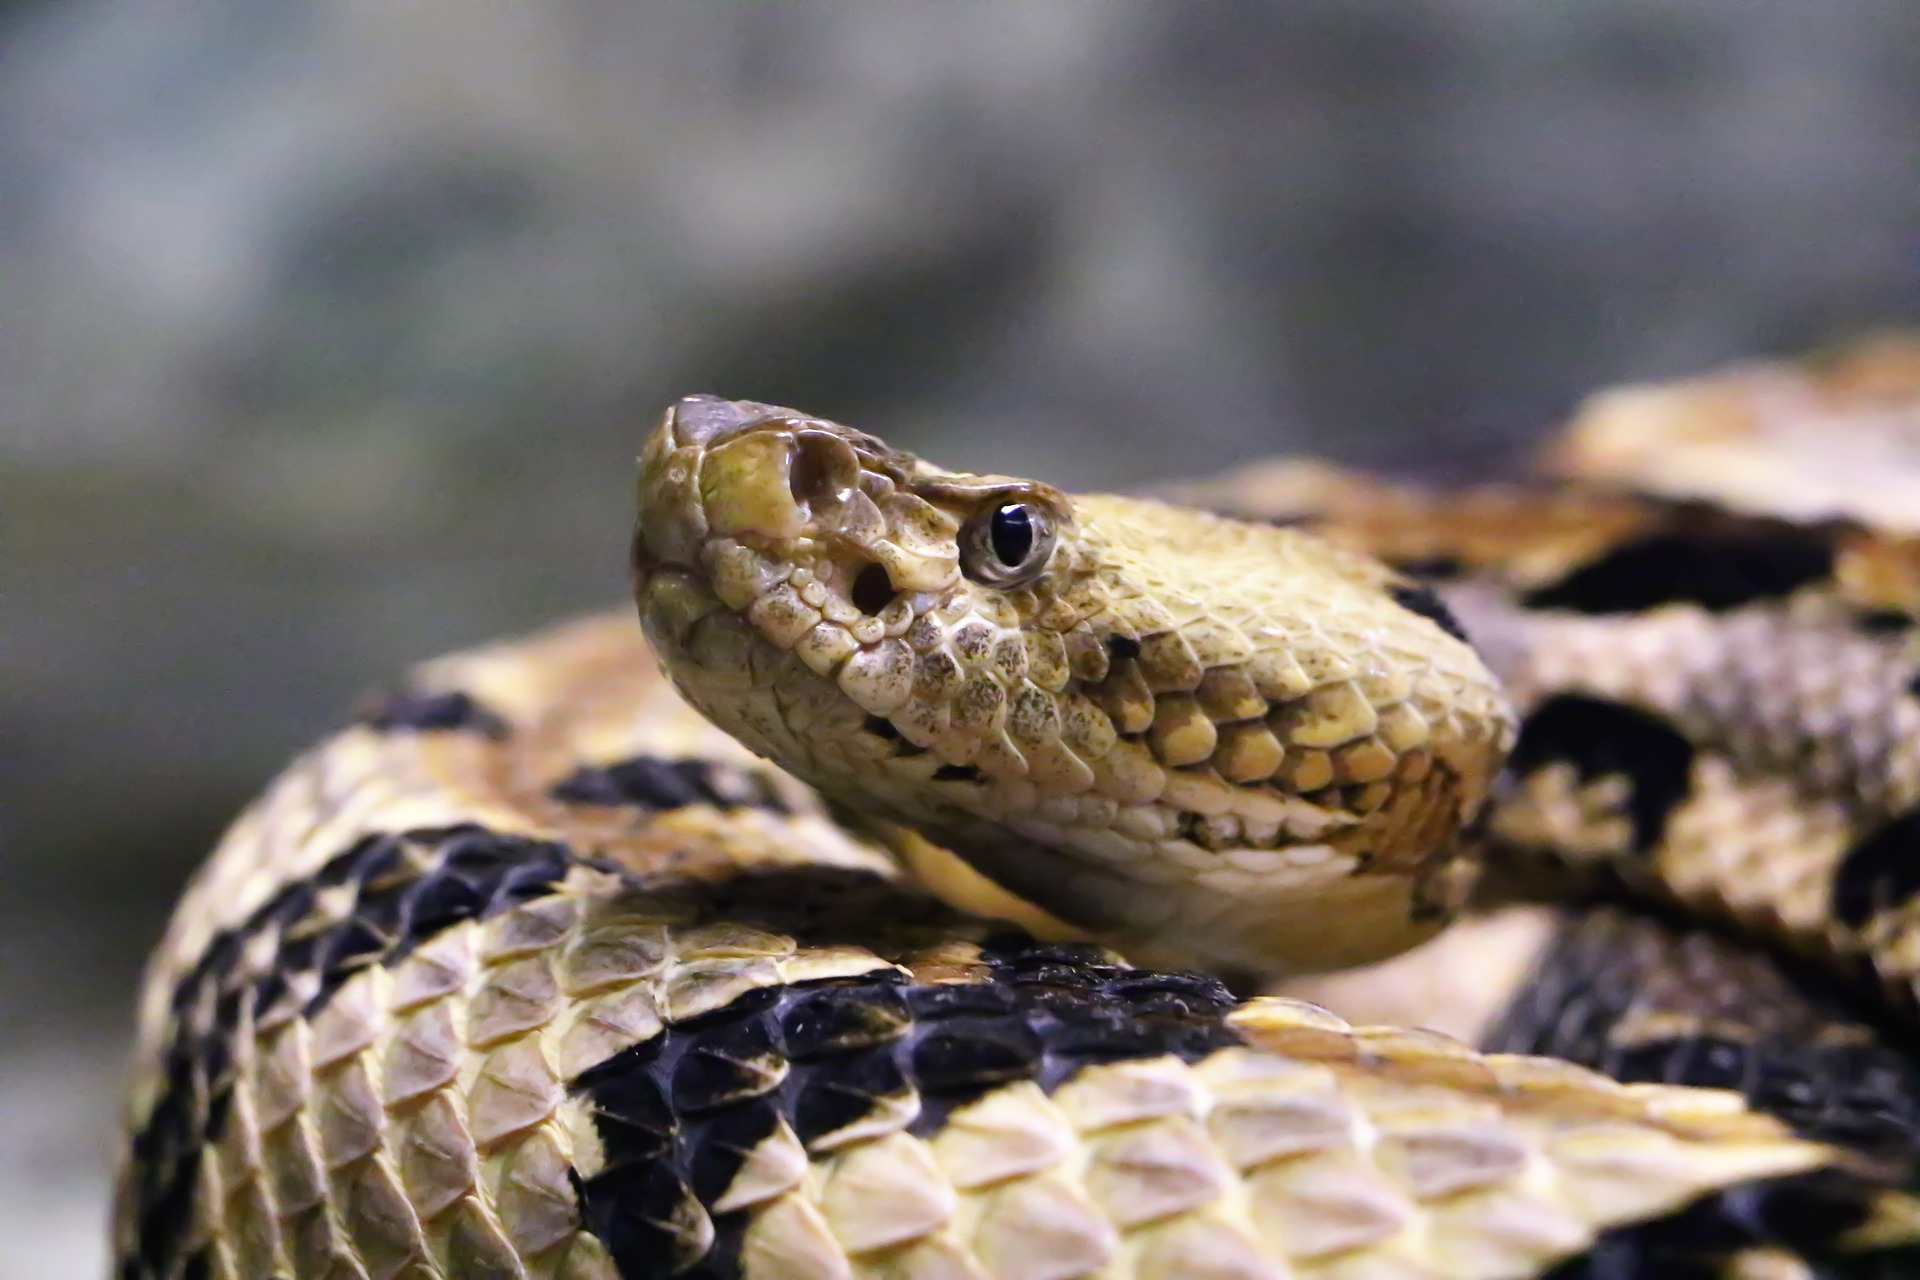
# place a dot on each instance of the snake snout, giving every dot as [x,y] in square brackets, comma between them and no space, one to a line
[773,484]
[791,522]
[714,467]
[700,420]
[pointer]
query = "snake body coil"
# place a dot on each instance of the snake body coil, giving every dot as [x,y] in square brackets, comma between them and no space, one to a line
[532,972]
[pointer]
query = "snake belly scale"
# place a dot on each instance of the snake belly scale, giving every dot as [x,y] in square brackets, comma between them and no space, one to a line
[597,957]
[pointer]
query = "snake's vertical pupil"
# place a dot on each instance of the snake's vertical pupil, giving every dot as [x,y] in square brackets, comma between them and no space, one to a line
[1007,545]
[1012,534]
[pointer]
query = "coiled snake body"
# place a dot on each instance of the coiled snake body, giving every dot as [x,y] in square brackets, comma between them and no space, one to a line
[531,971]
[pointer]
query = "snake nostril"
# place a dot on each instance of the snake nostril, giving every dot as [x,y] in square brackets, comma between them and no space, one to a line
[873,590]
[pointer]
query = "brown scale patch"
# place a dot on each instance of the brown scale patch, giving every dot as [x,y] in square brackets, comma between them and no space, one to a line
[1879,575]
[1521,531]
[1596,550]
[1833,436]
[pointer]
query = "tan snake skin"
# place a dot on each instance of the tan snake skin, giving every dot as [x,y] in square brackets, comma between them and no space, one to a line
[532,971]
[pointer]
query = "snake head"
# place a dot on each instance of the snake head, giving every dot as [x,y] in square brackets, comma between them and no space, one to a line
[1192,736]
[832,545]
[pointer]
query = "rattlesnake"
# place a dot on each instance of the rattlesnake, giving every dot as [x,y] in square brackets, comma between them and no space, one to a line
[532,971]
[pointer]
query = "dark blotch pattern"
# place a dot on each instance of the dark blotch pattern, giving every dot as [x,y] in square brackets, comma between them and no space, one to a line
[454,712]
[1599,738]
[1880,870]
[1859,1095]
[1718,563]
[1806,1061]
[678,1114]
[1807,1053]
[1427,603]
[657,785]
[1884,622]
[1120,647]
[399,890]
[1803,1213]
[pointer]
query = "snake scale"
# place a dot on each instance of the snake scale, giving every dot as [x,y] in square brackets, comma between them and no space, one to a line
[531,971]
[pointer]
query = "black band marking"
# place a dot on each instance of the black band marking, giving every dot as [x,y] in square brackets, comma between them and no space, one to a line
[1808,1052]
[658,785]
[823,1055]
[1806,1060]
[1718,563]
[1803,1214]
[406,887]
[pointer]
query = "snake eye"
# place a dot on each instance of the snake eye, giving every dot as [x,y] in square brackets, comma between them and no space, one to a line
[1007,545]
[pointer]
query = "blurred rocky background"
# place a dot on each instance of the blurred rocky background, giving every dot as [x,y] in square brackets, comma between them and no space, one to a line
[330,327]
